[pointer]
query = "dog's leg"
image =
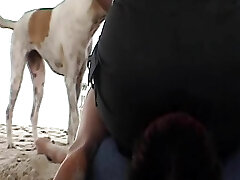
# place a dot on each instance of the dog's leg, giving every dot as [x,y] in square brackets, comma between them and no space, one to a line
[18,62]
[81,74]
[79,79]
[72,72]
[37,70]
[73,111]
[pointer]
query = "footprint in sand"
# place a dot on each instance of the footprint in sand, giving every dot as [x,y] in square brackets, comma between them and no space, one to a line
[27,136]
[16,128]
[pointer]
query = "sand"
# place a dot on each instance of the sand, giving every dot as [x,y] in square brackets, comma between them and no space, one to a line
[22,162]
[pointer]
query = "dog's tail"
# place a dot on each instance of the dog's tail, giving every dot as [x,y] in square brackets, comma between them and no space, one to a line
[5,23]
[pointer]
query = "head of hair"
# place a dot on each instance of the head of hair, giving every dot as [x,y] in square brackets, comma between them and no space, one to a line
[175,147]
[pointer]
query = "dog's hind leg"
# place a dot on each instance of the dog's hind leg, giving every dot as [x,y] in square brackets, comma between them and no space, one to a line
[37,69]
[18,61]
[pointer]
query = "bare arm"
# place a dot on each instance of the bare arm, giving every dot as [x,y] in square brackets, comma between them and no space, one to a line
[91,129]
[90,133]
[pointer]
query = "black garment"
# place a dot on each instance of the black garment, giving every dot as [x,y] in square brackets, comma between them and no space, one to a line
[156,57]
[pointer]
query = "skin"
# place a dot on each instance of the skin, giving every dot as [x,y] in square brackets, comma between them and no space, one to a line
[55,153]
[90,133]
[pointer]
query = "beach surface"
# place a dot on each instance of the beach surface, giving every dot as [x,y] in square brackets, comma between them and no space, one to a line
[22,162]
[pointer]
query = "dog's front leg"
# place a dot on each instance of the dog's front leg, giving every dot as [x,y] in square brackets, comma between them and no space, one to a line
[71,81]
[73,111]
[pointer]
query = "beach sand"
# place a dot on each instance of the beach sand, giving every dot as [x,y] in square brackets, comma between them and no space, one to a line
[22,162]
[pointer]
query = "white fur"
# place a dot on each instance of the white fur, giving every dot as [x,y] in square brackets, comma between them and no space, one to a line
[69,36]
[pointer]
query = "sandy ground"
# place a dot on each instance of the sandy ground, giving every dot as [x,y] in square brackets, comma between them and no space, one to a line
[22,162]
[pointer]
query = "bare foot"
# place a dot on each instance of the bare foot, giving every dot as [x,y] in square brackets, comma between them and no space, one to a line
[54,152]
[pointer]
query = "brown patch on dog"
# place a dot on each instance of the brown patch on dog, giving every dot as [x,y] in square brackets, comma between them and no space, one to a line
[59,65]
[34,75]
[38,26]
[99,14]
[105,4]
[97,9]
[62,59]
[62,56]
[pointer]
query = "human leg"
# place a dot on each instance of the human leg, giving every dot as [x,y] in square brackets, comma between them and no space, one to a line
[231,168]
[108,163]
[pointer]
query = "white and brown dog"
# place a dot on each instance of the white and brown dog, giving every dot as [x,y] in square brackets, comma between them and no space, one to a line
[60,36]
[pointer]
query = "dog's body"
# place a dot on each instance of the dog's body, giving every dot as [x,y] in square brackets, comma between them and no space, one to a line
[61,37]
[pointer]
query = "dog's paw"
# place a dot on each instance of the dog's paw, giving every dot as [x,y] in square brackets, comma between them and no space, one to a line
[11,146]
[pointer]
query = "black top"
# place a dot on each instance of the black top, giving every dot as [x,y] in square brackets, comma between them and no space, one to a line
[156,57]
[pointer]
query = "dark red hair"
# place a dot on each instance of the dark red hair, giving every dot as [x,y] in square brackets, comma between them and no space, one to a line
[175,147]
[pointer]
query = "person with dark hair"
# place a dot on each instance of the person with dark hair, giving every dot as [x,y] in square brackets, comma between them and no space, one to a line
[165,87]
[175,146]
